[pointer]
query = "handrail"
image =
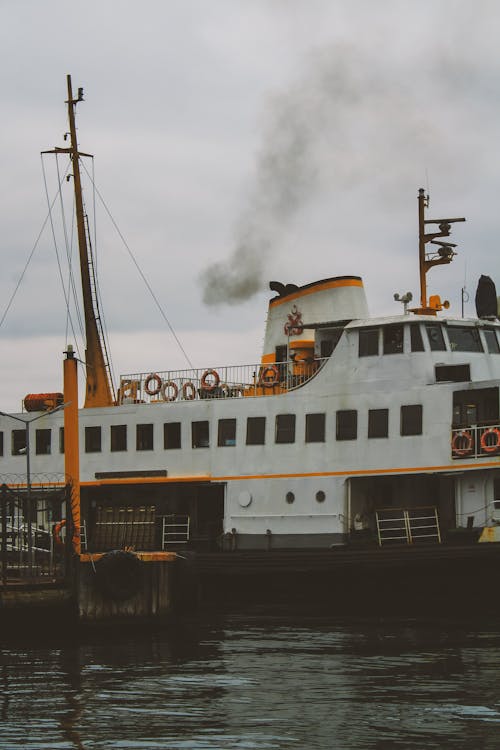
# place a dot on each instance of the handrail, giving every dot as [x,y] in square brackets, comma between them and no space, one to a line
[475,441]
[233,381]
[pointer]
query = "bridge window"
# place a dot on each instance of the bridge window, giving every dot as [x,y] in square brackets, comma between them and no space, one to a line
[347,424]
[393,339]
[1,443]
[18,442]
[285,428]
[435,336]
[416,341]
[368,342]
[61,439]
[256,430]
[118,433]
[42,442]
[378,423]
[144,437]
[411,419]
[92,440]
[315,428]
[226,432]
[464,339]
[171,435]
[491,340]
[200,434]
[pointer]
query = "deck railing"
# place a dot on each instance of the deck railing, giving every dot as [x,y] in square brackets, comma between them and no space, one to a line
[234,381]
[476,441]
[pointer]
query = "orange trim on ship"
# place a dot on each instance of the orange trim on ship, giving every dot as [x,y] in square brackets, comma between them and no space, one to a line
[321,287]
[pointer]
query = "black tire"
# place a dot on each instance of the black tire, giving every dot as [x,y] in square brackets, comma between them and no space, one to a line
[119,575]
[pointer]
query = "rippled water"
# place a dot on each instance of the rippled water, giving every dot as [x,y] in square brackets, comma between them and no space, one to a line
[257,684]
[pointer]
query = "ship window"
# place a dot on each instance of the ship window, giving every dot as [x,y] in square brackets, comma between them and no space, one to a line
[290,497]
[416,341]
[226,435]
[393,339]
[320,496]
[315,428]
[453,373]
[280,353]
[378,423]
[491,341]
[1,443]
[118,437]
[368,342]
[92,439]
[435,336]
[199,434]
[347,424]
[464,339]
[171,435]
[61,439]
[42,442]
[285,428]
[144,437]
[256,430]
[18,442]
[411,419]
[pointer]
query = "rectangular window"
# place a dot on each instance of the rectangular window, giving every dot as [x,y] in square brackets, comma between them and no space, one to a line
[315,428]
[226,432]
[491,341]
[285,428]
[256,430]
[199,434]
[92,440]
[171,435]
[18,442]
[368,342]
[464,339]
[435,336]
[42,442]
[411,419]
[416,340]
[61,439]
[454,373]
[393,339]
[347,424]
[1,443]
[144,437]
[378,423]
[118,434]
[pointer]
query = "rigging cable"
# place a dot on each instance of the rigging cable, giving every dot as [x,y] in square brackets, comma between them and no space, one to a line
[55,240]
[148,285]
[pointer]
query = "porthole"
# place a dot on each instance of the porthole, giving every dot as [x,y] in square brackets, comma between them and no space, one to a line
[290,497]
[320,496]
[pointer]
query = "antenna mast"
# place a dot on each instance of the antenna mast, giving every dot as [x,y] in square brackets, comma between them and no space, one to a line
[99,389]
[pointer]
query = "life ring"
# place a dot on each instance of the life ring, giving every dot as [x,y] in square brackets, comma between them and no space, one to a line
[462,443]
[486,446]
[152,391]
[188,386]
[56,532]
[119,575]
[269,370]
[210,385]
[173,386]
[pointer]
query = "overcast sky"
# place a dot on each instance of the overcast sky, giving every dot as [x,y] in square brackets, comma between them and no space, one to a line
[235,142]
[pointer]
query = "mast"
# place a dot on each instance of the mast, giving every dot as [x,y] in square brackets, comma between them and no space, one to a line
[99,391]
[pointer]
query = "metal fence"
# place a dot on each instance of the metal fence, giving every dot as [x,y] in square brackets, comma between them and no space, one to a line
[235,381]
[477,441]
[34,534]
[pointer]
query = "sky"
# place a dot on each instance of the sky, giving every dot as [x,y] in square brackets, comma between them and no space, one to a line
[236,142]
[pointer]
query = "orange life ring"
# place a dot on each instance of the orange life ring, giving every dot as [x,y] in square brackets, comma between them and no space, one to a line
[490,447]
[192,391]
[269,369]
[462,443]
[210,386]
[152,391]
[175,390]
[56,532]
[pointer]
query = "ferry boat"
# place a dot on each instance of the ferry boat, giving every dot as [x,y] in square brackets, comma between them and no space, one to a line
[352,438]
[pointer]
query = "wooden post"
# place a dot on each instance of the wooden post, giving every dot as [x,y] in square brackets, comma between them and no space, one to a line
[71,441]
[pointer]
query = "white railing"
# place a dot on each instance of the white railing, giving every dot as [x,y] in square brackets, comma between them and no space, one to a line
[475,441]
[234,381]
